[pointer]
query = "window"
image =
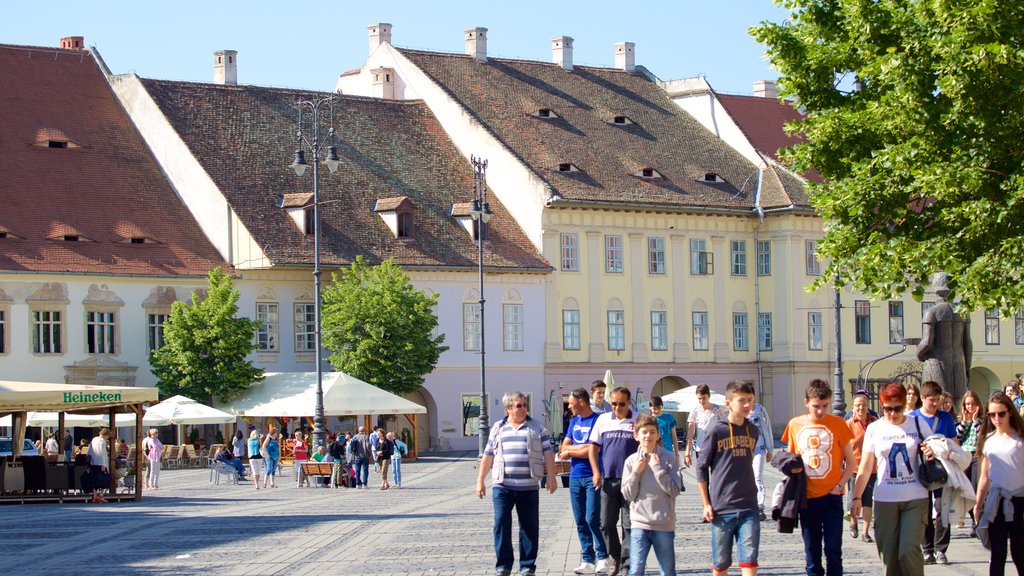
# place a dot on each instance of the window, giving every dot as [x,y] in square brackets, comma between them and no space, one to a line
[738,258]
[659,330]
[656,255]
[862,321]
[701,261]
[305,327]
[895,322]
[812,265]
[470,415]
[308,222]
[991,326]
[1018,327]
[570,329]
[764,258]
[405,229]
[570,252]
[266,334]
[512,323]
[764,331]
[616,330]
[99,332]
[700,330]
[814,331]
[47,332]
[470,326]
[925,307]
[155,331]
[613,253]
[3,331]
[739,331]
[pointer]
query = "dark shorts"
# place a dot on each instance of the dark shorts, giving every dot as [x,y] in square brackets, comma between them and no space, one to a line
[867,499]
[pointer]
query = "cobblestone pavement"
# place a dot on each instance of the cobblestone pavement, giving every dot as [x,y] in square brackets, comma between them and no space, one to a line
[432,526]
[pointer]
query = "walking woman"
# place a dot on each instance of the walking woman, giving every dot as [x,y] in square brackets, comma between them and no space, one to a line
[901,502]
[153,450]
[99,457]
[858,424]
[385,448]
[255,458]
[968,430]
[913,397]
[272,446]
[1000,507]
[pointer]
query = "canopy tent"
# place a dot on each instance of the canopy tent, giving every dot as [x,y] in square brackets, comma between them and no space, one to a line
[182,410]
[685,400]
[293,394]
[51,419]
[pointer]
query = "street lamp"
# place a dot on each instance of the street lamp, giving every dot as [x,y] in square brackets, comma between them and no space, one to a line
[838,401]
[865,370]
[314,108]
[481,213]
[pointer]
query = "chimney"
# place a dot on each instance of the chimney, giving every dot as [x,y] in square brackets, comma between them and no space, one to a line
[384,83]
[624,57]
[225,67]
[766,89]
[476,43]
[379,34]
[72,42]
[561,51]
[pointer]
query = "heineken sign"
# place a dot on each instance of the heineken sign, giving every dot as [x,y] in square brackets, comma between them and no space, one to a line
[87,397]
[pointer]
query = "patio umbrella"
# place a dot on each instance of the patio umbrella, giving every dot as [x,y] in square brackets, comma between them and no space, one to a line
[609,380]
[685,400]
[638,401]
[182,410]
[554,415]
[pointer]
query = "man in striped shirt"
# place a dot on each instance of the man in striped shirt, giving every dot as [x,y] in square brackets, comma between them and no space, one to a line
[519,452]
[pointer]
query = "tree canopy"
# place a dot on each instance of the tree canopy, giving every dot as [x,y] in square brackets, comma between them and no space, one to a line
[205,346]
[380,328]
[915,121]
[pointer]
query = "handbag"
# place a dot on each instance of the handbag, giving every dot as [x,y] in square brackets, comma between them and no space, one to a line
[930,473]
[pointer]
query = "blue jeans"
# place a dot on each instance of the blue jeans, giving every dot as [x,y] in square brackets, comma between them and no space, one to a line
[586,510]
[640,542]
[237,465]
[823,519]
[362,471]
[745,529]
[527,505]
[272,467]
[396,469]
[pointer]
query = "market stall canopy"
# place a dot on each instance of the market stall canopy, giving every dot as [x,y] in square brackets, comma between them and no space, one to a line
[685,400]
[182,410]
[49,420]
[293,394]
[31,396]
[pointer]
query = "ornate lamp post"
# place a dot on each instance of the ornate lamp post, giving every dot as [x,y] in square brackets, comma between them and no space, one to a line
[481,213]
[316,110]
[838,398]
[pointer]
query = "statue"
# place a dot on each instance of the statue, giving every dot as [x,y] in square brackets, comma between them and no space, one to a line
[945,347]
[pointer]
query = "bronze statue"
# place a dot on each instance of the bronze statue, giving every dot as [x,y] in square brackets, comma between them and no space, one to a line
[945,346]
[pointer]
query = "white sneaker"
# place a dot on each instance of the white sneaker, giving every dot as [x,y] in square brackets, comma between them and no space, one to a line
[585,568]
[605,566]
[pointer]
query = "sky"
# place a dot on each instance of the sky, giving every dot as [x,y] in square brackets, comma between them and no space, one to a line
[308,44]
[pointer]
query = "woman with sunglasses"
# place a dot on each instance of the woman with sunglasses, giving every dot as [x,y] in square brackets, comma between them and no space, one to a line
[1000,507]
[901,502]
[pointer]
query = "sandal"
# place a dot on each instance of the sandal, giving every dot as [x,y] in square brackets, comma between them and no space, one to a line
[853,532]
[867,538]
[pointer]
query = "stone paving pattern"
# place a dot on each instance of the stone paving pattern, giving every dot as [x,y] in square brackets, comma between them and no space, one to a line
[433,526]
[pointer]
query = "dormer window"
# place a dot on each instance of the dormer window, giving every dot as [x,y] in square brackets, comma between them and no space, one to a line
[308,223]
[3,235]
[405,228]
[567,167]
[56,144]
[545,113]
[71,237]
[712,178]
[647,174]
[398,214]
[621,120]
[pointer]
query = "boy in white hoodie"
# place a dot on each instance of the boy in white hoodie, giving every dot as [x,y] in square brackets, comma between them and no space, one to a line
[650,483]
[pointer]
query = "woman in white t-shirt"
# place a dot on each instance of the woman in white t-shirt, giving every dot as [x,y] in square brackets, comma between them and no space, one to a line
[1001,478]
[901,502]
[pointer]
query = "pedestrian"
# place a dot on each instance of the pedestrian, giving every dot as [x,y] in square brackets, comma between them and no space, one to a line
[936,533]
[858,424]
[585,500]
[725,472]
[913,397]
[359,448]
[271,450]
[697,423]
[256,462]
[238,444]
[762,451]
[597,402]
[300,455]
[1000,506]
[968,432]
[69,445]
[823,442]
[901,502]
[946,404]
[339,471]
[650,483]
[153,449]
[99,459]
[667,436]
[1012,391]
[383,451]
[519,452]
[401,449]
[611,442]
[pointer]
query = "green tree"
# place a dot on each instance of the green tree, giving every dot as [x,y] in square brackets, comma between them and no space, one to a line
[914,119]
[379,327]
[206,344]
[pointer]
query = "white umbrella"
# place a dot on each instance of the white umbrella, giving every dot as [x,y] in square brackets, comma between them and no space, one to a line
[685,400]
[49,420]
[182,410]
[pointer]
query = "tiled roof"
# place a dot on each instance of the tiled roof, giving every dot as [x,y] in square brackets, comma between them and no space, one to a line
[245,138]
[392,204]
[502,94]
[105,187]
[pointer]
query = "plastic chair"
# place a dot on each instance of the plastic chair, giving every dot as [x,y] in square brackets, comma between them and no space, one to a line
[218,469]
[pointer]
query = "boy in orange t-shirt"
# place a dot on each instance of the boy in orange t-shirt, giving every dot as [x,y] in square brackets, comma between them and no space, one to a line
[824,442]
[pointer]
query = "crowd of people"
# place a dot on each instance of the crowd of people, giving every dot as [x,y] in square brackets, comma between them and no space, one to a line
[908,475]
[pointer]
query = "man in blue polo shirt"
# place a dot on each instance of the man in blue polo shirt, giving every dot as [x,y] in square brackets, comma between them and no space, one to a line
[936,534]
[612,442]
[586,502]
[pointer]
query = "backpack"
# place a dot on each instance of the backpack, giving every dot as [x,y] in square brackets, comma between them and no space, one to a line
[337,449]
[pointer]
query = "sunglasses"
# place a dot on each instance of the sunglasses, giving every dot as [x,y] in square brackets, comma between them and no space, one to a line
[997,415]
[620,403]
[893,409]
[517,405]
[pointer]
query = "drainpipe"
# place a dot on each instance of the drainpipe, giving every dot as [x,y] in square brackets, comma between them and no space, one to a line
[757,287]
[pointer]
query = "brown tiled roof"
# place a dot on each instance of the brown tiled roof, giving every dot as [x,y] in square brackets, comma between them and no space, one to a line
[500,93]
[392,204]
[99,190]
[245,138]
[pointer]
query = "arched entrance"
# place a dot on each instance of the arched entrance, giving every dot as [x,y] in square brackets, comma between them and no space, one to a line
[984,381]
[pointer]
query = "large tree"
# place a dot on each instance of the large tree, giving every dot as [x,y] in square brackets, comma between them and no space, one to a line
[380,328]
[915,120]
[205,346]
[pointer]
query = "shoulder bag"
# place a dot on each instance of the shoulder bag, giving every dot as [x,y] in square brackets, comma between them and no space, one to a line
[930,473]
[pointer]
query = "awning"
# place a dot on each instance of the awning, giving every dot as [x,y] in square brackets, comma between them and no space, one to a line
[34,396]
[49,420]
[293,394]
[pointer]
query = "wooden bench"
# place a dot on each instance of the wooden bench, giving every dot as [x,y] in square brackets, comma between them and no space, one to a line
[315,470]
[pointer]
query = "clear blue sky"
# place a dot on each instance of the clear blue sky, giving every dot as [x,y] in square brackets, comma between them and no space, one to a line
[308,44]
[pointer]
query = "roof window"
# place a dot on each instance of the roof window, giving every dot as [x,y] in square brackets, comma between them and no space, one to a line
[647,174]
[621,120]
[712,177]
[567,167]
[545,113]
[56,144]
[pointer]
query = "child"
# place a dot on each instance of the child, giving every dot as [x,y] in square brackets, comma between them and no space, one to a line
[727,460]
[650,482]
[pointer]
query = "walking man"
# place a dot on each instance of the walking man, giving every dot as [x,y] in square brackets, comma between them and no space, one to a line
[359,448]
[762,451]
[612,442]
[597,402]
[585,500]
[519,452]
[936,532]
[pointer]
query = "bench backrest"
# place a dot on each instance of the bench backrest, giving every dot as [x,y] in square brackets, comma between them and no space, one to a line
[317,468]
